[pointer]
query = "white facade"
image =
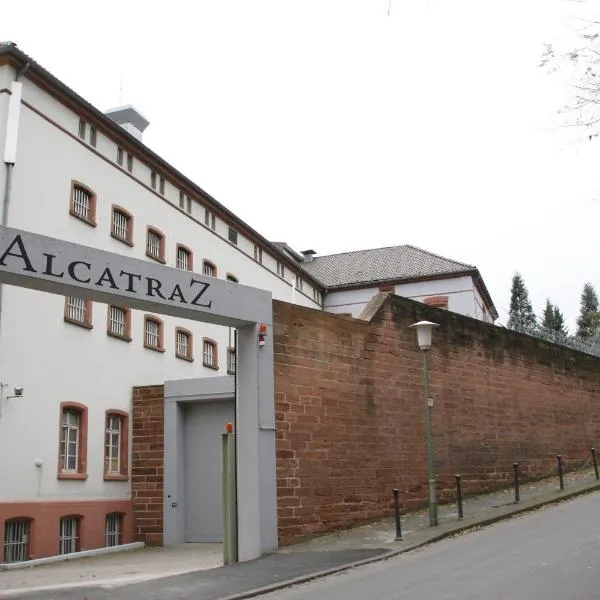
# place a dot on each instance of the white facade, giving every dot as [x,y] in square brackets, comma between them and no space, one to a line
[459,293]
[56,361]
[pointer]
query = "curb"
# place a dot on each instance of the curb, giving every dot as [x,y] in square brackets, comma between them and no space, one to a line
[460,528]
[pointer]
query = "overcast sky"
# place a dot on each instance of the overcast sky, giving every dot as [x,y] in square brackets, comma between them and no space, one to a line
[332,125]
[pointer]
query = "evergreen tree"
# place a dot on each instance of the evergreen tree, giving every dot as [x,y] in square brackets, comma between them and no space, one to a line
[521,313]
[559,323]
[588,321]
[553,321]
[548,316]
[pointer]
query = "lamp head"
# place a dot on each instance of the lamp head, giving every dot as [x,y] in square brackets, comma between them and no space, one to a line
[424,330]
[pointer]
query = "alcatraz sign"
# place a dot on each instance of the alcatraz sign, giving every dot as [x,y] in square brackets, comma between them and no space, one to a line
[47,264]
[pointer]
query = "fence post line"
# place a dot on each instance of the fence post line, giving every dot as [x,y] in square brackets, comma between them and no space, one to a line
[594,460]
[517,491]
[560,472]
[459,501]
[397,514]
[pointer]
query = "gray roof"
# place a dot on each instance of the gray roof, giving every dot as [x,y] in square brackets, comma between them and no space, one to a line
[381,264]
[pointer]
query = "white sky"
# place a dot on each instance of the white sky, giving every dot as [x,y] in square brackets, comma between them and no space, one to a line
[329,125]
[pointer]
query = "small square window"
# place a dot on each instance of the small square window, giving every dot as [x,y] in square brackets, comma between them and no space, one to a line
[183,344]
[122,225]
[78,311]
[209,269]
[184,258]
[233,236]
[209,354]
[153,333]
[83,203]
[119,322]
[155,245]
[231,361]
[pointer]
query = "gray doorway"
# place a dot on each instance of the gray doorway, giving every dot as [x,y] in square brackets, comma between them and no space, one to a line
[204,424]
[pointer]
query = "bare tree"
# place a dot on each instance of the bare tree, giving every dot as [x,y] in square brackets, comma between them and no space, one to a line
[582,62]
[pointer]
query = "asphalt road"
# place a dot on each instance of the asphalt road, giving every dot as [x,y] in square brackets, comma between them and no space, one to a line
[553,554]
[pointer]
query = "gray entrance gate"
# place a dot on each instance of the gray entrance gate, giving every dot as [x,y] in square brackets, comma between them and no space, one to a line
[59,267]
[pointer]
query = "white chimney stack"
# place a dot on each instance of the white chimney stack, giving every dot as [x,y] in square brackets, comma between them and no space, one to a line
[130,119]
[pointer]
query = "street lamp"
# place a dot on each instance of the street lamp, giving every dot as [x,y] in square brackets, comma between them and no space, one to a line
[424,330]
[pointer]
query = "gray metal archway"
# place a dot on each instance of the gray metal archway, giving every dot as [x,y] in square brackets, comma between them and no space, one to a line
[59,267]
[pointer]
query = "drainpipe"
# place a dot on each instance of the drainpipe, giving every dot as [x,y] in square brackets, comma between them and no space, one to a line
[10,147]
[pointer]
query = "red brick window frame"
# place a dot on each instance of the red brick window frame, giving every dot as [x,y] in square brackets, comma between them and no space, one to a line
[437,301]
[121,225]
[232,278]
[153,333]
[184,344]
[78,311]
[116,445]
[73,438]
[184,258]
[209,268]
[118,322]
[155,244]
[210,354]
[82,203]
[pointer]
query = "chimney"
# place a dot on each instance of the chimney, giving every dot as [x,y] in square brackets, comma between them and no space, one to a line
[130,119]
[308,255]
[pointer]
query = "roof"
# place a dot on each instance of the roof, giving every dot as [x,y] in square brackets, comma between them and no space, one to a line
[394,263]
[52,84]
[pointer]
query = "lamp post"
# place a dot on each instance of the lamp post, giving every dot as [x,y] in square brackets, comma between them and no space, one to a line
[424,330]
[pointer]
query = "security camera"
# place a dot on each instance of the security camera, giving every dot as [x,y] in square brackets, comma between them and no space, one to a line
[19,390]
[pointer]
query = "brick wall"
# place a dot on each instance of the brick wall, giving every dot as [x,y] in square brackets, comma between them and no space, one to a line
[350,414]
[147,463]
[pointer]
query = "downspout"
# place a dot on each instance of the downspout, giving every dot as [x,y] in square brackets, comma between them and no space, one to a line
[10,148]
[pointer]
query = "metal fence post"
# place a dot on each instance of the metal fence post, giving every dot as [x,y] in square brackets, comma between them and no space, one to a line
[593,451]
[517,491]
[397,515]
[560,471]
[459,502]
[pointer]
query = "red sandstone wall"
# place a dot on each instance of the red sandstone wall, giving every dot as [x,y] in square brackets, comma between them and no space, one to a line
[350,414]
[147,469]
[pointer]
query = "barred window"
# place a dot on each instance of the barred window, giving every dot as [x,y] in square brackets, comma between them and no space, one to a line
[114,529]
[122,225]
[155,245]
[231,361]
[16,540]
[153,337]
[69,539]
[209,354]
[78,311]
[183,344]
[184,258]
[83,203]
[209,269]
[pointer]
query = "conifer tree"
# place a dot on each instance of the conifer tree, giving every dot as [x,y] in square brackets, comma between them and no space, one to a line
[521,315]
[588,321]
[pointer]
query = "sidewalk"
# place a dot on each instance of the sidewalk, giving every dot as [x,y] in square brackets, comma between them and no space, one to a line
[133,575]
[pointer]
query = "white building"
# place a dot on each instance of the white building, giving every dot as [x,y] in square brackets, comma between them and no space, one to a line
[72,172]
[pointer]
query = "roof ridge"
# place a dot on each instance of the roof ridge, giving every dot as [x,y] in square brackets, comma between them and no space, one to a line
[362,250]
[457,262]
